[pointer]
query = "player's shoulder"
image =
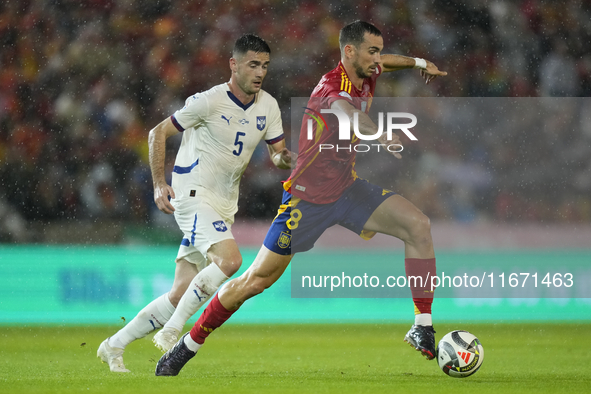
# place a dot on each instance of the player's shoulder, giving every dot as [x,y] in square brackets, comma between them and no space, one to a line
[266,99]
[333,76]
[333,80]
[263,95]
[216,92]
[211,93]
[215,97]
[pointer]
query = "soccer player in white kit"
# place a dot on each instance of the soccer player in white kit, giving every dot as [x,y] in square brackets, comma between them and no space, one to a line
[221,128]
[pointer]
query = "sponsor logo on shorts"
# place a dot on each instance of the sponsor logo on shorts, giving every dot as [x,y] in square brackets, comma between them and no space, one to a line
[220,226]
[284,240]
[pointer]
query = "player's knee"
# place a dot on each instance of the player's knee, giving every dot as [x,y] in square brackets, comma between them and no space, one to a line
[231,265]
[420,231]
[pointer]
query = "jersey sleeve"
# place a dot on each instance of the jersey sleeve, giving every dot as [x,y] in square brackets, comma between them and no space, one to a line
[338,89]
[274,132]
[192,114]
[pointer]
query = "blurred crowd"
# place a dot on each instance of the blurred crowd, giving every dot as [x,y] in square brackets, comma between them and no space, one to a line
[82,83]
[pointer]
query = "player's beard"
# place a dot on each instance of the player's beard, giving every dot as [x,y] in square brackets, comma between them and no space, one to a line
[361,73]
[248,88]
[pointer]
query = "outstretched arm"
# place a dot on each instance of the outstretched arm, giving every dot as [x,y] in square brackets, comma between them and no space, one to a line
[429,71]
[281,156]
[157,145]
[367,126]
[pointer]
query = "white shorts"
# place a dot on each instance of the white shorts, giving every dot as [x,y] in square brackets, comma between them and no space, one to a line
[202,227]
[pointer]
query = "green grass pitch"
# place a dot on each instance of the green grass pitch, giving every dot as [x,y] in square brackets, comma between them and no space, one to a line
[369,358]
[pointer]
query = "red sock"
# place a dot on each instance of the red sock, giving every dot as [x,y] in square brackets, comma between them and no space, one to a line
[422,295]
[212,317]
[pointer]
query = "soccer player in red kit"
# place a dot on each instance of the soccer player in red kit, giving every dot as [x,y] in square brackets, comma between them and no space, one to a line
[324,190]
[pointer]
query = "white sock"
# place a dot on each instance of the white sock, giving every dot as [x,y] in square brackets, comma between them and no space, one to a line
[203,286]
[423,319]
[153,316]
[191,344]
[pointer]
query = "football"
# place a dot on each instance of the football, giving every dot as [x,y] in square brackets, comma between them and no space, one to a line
[459,354]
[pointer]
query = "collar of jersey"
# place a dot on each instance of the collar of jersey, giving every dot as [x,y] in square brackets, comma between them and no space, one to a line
[238,102]
[342,67]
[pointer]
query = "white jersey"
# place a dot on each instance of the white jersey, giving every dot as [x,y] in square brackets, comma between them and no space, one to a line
[220,135]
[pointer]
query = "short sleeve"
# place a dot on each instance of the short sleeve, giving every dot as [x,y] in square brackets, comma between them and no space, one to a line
[337,89]
[335,95]
[193,113]
[274,132]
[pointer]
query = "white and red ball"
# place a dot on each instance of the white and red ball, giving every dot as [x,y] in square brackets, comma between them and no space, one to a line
[459,354]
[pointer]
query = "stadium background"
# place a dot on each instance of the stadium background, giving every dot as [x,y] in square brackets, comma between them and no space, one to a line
[81,83]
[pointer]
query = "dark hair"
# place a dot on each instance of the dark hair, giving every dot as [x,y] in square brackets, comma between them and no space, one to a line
[250,42]
[353,33]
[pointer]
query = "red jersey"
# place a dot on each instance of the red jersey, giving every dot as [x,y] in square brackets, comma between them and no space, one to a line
[321,176]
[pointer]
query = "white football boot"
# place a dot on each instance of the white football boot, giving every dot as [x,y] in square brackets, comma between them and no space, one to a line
[166,338]
[112,356]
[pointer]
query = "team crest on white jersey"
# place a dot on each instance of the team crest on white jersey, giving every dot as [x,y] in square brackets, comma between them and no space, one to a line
[261,122]
[220,226]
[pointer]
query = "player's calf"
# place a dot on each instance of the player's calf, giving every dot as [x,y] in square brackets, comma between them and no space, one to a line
[419,235]
[254,285]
